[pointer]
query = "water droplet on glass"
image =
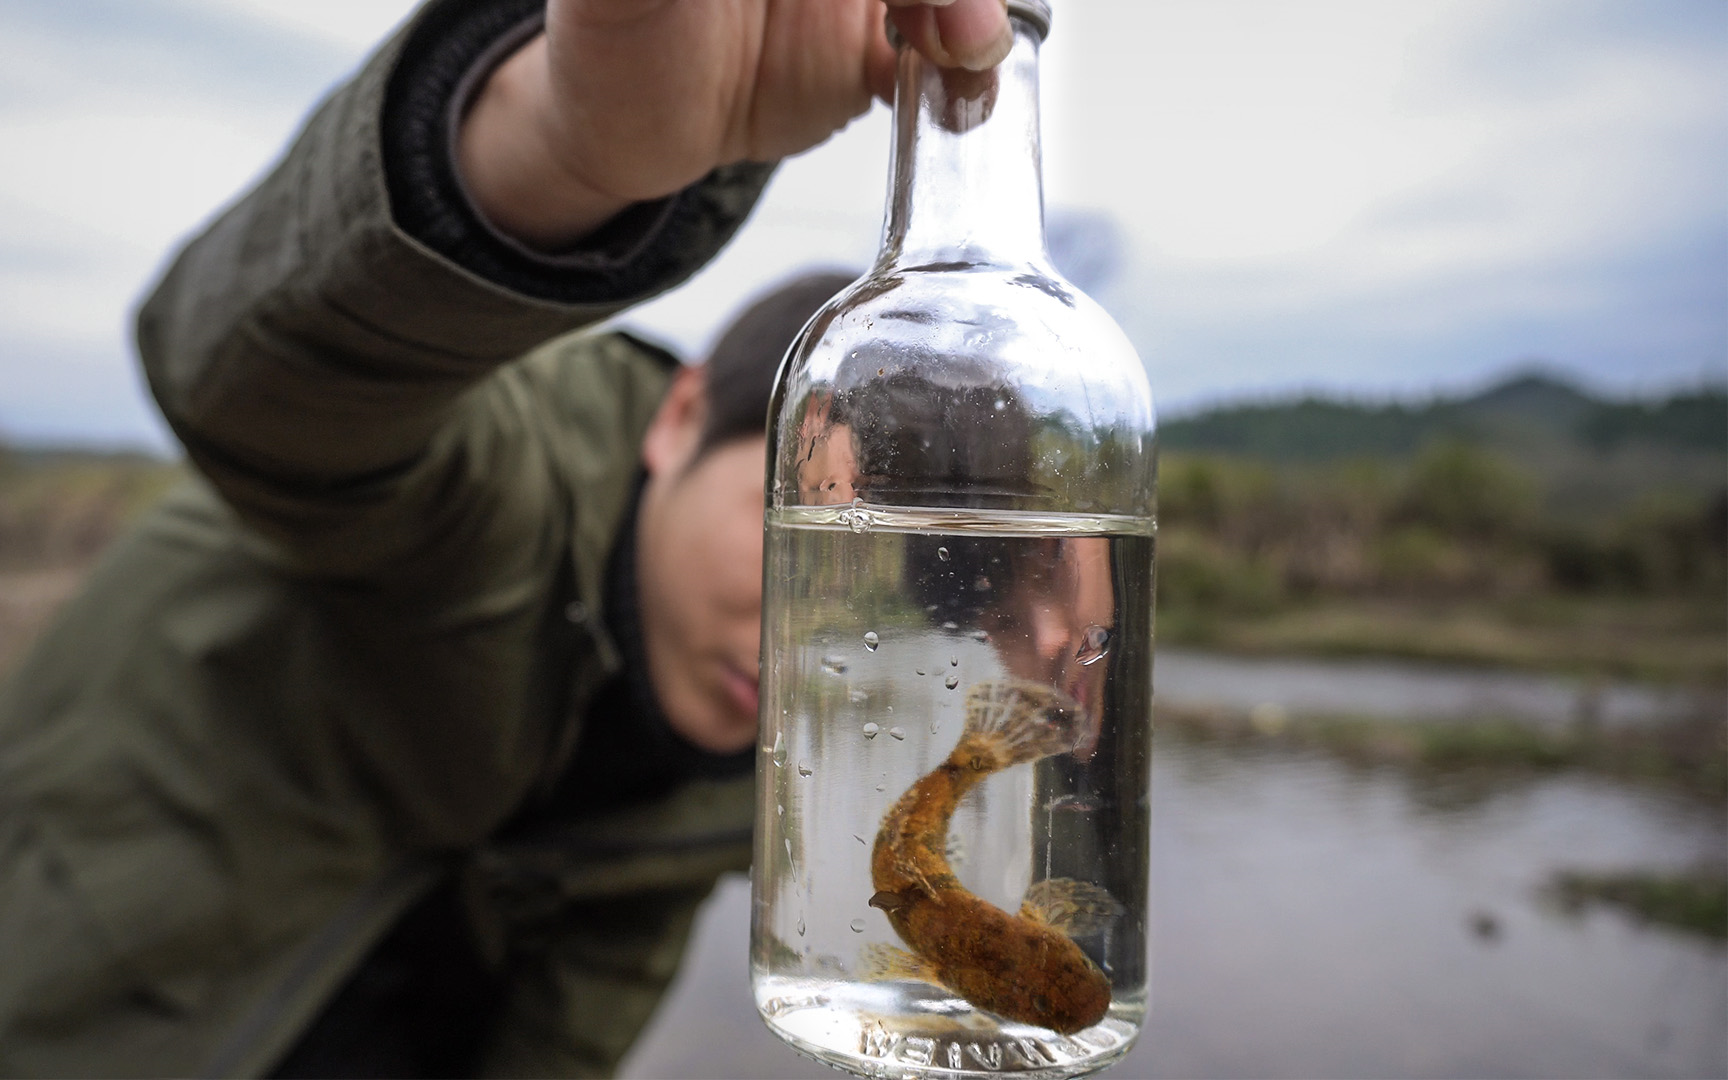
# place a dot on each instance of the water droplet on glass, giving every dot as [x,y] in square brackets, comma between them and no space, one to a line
[950,626]
[980,635]
[920,671]
[1094,645]
[857,697]
[857,926]
[883,786]
[871,640]
[779,749]
[953,661]
[781,807]
[935,726]
[834,665]
[951,681]
[942,553]
[870,730]
[801,926]
[860,839]
[897,733]
[804,768]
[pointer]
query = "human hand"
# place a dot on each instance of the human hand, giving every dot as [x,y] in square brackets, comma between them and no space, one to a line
[621,101]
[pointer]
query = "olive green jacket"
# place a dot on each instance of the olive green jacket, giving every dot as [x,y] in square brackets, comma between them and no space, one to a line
[318,678]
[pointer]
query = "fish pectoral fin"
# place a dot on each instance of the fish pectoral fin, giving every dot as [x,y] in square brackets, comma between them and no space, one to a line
[1074,908]
[889,963]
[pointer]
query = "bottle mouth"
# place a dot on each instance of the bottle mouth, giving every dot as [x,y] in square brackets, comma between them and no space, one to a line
[1034,13]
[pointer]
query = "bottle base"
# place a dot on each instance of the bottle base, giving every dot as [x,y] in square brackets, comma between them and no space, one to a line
[897,1031]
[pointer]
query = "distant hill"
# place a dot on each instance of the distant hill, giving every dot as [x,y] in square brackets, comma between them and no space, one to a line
[1580,447]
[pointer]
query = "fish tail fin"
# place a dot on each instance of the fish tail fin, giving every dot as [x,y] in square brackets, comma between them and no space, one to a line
[889,963]
[1073,908]
[1021,720]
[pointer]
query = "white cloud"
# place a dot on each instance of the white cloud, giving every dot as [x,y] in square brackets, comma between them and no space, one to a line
[1346,179]
[355,25]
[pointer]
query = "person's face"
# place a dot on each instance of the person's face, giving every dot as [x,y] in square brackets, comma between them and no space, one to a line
[699,572]
[1056,626]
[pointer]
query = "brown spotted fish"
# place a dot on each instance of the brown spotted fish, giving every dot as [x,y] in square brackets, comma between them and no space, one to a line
[1022,967]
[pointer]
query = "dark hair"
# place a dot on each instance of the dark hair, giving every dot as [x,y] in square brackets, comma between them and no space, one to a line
[742,364]
[950,437]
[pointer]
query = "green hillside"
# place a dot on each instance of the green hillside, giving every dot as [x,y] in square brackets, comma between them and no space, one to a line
[1581,453]
[1322,429]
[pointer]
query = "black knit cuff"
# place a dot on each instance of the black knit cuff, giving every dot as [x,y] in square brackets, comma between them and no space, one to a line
[639,252]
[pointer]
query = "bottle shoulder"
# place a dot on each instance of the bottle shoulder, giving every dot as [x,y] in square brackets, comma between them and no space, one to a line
[1022,327]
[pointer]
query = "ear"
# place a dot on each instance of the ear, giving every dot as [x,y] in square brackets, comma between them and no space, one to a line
[676,430]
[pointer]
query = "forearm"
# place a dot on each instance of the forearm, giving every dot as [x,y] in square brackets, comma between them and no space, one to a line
[317,334]
[506,153]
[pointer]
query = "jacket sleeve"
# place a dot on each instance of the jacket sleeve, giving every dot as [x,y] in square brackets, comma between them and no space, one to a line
[323,349]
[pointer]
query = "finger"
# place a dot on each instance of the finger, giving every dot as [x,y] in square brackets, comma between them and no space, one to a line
[971,34]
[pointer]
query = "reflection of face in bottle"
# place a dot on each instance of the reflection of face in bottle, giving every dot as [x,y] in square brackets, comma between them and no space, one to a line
[1055,623]
[827,462]
[1046,603]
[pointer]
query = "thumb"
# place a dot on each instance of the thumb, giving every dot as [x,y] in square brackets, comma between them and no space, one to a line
[971,34]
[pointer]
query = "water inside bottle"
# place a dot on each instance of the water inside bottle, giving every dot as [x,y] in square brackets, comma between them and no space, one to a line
[904,627]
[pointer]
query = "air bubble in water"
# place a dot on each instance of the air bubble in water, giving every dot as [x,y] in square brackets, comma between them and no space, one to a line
[953,661]
[870,730]
[834,665]
[804,768]
[857,697]
[950,626]
[857,926]
[779,749]
[951,681]
[1094,645]
[920,671]
[897,733]
[857,518]
[942,553]
[801,927]
[871,640]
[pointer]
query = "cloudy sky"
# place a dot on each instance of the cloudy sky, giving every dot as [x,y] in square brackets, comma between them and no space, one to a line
[1347,195]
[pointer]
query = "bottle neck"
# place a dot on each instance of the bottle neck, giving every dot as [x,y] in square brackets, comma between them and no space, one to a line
[966,179]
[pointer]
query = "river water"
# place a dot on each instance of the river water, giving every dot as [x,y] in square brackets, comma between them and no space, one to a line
[1313,918]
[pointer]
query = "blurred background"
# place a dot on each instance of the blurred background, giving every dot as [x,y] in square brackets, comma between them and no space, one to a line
[1434,299]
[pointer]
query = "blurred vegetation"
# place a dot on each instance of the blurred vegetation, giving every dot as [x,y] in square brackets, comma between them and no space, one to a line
[1694,902]
[1453,531]
[1687,756]
[58,510]
[61,508]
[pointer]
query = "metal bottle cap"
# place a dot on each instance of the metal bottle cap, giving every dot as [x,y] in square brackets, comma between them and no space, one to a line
[1035,12]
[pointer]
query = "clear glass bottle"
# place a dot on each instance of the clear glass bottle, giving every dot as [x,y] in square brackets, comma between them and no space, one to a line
[951,859]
